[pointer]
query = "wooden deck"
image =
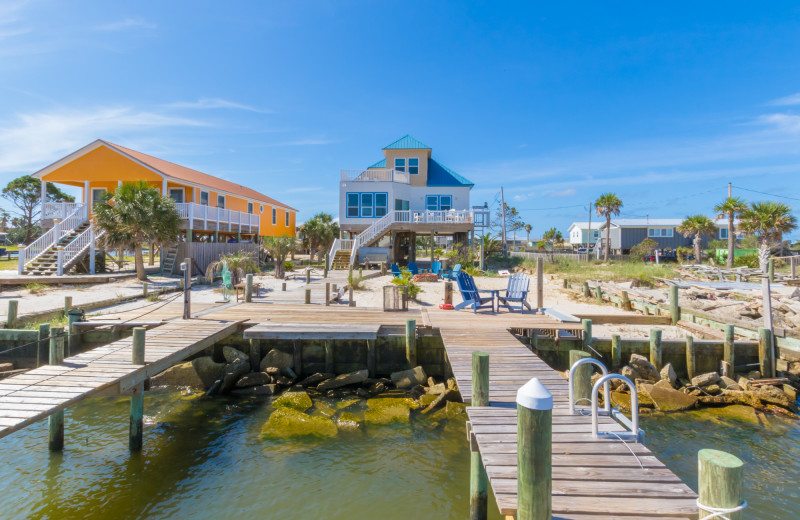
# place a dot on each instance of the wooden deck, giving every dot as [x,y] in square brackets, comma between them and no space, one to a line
[591,478]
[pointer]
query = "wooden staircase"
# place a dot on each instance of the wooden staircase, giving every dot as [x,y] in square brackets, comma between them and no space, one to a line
[169,260]
[46,263]
[341,260]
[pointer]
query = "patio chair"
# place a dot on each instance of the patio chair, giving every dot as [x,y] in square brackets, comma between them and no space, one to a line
[412,266]
[516,292]
[471,294]
[436,268]
[396,271]
[451,274]
[227,285]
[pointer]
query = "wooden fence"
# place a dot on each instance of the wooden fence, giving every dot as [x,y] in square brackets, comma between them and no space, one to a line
[203,253]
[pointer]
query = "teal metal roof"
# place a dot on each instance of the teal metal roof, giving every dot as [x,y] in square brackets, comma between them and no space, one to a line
[379,164]
[441,175]
[407,143]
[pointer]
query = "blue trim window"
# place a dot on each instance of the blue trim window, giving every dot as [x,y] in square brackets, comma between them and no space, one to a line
[381,204]
[400,164]
[438,202]
[367,205]
[413,165]
[352,205]
[659,232]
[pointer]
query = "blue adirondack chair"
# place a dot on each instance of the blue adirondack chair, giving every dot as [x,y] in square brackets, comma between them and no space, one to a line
[516,292]
[451,274]
[412,266]
[471,294]
[227,285]
[436,268]
[396,271]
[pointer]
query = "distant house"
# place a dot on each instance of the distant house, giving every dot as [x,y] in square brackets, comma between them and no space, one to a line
[626,233]
[579,233]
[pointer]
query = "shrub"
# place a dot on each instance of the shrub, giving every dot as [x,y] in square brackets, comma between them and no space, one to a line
[406,281]
[683,253]
[288,266]
[748,260]
[355,280]
[644,248]
[472,271]
[239,264]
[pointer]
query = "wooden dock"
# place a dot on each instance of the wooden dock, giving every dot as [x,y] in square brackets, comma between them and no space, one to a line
[591,478]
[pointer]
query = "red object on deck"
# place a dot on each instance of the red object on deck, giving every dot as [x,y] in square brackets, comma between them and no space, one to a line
[446,306]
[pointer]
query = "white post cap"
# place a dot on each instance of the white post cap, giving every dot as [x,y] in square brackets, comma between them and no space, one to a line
[533,395]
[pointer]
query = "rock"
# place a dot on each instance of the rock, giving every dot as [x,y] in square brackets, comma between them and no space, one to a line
[668,374]
[695,392]
[645,369]
[667,399]
[278,359]
[449,395]
[417,391]
[431,381]
[794,368]
[455,410]
[288,372]
[362,392]
[452,384]
[231,354]
[351,378]
[316,379]
[717,400]
[712,389]
[425,400]
[183,374]
[233,373]
[282,380]
[348,421]
[705,379]
[288,422]
[5,367]
[376,388]
[208,370]
[744,383]
[629,372]
[437,389]
[389,410]
[772,395]
[299,401]
[729,384]
[755,374]
[790,392]
[409,378]
[256,390]
[253,379]
[214,388]
[272,371]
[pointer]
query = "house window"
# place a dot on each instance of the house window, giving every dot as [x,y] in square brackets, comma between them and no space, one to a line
[401,205]
[352,205]
[261,208]
[446,202]
[438,202]
[221,201]
[659,232]
[250,207]
[381,204]
[723,233]
[274,217]
[400,164]
[413,165]
[595,234]
[287,218]
[204,198]
[176,194]
[366,205]
[98,195]
[432,202]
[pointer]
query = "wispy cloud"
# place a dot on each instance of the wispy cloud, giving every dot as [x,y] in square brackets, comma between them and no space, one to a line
[784,122]
[557,194]
[127,23]
[792,100]
[34,140]
[306,142]
[208,103]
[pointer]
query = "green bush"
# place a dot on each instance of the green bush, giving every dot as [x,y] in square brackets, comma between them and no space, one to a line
[748,260]
[288,266]
[406,280]
[644,248]
[473,271]
[355,280]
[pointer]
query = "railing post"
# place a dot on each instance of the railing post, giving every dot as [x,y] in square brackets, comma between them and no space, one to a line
[534,452]
[582,380]
[56,420]
[92,252]
[137,398]
[587,332]
[478,480]
[21,259]
[60,261]
[720,484]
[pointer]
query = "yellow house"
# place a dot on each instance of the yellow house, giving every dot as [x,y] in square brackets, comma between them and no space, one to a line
[213,209]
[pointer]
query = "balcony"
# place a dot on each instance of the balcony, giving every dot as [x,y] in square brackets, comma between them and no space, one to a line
[374,175]
[209,218]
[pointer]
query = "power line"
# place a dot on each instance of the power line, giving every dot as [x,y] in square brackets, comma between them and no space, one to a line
[765,193]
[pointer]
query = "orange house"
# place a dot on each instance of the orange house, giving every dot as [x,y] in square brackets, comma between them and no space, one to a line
[212,209]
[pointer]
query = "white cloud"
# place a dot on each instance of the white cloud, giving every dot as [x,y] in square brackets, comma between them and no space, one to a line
[127,23]
[783,122]
[35,140]
[567,192]
[207,103]
[794,99]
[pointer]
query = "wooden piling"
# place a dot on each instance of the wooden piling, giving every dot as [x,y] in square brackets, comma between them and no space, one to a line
[655,348]
[534,452]
[598,294]
[794,269]
[586,292]
[674,305]
[308,296]
[411,342]
[248,288]
[144,290]
[308,276]
[325,269]
[539,283]
[327,294]
[41,348]
[582,379]
[67,305]
[587,332]
[383,268]
[329,356]
[56,420]
[372,358]
[626,302]
[11,320]
[255,354]
[448,293]
[478,480]
[137,397]
[729,345]
[690,357]
[73,336]
[350,300]
[283,286]
[765,352]
[616,352]
[720,483]
[565,284]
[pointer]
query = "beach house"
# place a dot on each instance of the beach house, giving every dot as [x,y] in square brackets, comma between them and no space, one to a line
[213,210]
[626,233]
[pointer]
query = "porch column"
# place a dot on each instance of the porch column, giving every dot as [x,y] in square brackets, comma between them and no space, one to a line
[191,222]
[87,194]
[44,197]
[164,190]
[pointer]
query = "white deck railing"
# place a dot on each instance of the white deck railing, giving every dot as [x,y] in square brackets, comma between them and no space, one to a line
[375,175]
[223,218]
[59,210]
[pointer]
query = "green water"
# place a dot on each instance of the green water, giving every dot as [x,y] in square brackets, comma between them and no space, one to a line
[203,459]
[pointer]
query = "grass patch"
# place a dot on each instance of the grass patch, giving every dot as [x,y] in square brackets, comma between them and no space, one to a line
[35,287]
[356,281]
[619,271]
[58,321]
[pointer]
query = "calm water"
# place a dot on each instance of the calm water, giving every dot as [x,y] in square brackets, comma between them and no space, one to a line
[203,459]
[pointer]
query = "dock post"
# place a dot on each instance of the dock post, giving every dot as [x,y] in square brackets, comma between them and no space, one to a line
[325,269]
[655,348]
[720,483]
[137,398]
[283,286]
[67,304]
[383,268]
[73,336]
[329,356]
[144,290]
[587,332]
[626,302]
[308,276]
[44,335]
[674,305]
[771,270]
[411,342]
[765,352]
[372,358]
[690,371]
[534,452]
[11,320]
[308,297]
[56,420]
[327,294]
[598,294]
[616,351]
[728,350]
[565,284]
[255,354]
[187,289]
[248,288]
[350,301]
[478,480]
[539,283]
[448,293]
[582,382]
[794,269]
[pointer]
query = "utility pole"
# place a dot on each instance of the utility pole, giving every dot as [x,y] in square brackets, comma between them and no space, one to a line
[589,233]
[503,212]
[729,190]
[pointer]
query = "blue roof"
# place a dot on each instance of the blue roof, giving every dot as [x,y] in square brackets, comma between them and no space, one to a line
[407,143]
[441,175]
[379,164]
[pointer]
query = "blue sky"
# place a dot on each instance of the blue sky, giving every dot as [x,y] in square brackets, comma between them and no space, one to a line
[663,104]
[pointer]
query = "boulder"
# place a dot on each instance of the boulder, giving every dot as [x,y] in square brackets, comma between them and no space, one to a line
[388,410]
[668,374]
[729,384]
[255,390]
[452,384]
[288,372]
[233,373]
[253,379]
[208,370]
[744,383]
[316,379]
[437,389]
[299,401]
[231,354]
[376,387]
[183,374]
[351,378]
[455,410]
[772,395]
[791,392]
[712,389]
[667,399]
[645,369]
[5,367]
[711,378]
[627,371]
[278,359]
[409,378]
[425,400]
[288,422]
[348,421]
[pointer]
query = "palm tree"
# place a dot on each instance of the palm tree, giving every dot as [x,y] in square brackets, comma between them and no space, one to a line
[320,231]
[730,207]
[279,248]
[606,205]
[488,246]
[769,221]
[697,226]
[137,214]
[528,229]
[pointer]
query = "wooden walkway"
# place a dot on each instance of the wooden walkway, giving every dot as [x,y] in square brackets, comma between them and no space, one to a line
[591,478]
[33,396]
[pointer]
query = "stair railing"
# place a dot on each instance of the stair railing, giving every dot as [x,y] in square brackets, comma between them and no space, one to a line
[72,251]
[332,253]
[49,239]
